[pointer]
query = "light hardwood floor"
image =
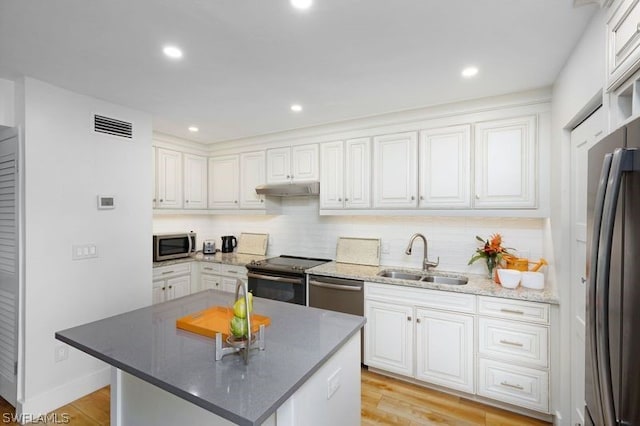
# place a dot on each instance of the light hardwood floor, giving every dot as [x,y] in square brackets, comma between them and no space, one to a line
[385,401]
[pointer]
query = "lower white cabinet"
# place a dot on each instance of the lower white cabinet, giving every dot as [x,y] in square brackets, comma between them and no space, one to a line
[405,335]
[171,282]
[492,347]
[219,276]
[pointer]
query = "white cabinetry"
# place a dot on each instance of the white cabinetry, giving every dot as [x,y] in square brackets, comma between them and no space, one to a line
[170,282]
[219,276]
[168,179]
[421,333]
[395,170]
[252,174]
[195,181]
[445,167]
[224,182]
[623,41]
[345,174]
[513,352]
[292,164]
[505,163]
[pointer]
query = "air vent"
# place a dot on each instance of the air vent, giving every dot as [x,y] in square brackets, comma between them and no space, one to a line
[111,126]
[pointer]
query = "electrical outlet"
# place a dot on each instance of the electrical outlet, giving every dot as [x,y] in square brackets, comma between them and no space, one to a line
[333,383]
[61,353]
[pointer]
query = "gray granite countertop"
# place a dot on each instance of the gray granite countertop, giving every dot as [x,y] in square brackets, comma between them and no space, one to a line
[147,344]
[477,284]
[224,258]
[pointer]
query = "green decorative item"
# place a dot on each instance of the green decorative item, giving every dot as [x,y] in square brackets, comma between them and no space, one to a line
[491,250]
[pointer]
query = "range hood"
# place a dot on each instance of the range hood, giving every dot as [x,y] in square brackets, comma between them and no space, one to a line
[295,189]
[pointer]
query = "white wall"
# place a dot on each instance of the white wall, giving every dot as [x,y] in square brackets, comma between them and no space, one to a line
[66,166]
[578,84]
[301,231]
[7,102]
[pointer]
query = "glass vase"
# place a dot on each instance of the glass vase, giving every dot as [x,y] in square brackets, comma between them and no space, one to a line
[492,262]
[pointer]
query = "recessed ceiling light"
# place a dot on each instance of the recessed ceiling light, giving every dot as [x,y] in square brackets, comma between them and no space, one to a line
[172,52]
[193,129]
[469,72]
[301,4]
[296,108]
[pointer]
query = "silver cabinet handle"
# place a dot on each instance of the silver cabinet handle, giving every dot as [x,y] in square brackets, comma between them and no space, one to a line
[206,268]
[346,199]
[232,272]
[509,385]
[161,200]
[418,320]
[507,342]
[270,278]
[261,200]
[339,199]
[168,272]
[408,318]
[235,201]
[335,286]
[413,198]
[163,288]
[289,177]
[170,287]
[186,201]
[511,311]
[422,197]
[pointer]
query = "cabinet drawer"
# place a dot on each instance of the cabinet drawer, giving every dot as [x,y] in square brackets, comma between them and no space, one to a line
[514,342]
[525,387]
[233,271]
[210,268]
[514,309]
[171,270]
[464,303]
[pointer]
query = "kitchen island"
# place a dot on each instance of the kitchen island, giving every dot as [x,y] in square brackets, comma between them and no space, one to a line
[309,372]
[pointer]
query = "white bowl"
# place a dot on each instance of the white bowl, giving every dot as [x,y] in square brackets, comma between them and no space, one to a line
[509,278]
[533,280]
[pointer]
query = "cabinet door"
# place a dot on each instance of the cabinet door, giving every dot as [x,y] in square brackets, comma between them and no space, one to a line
[195,182]
[224,182]
[279,165]
[388,337]
[304,162]
[357,173]
[331,175]
[445,167]
[228,284]
[252,174]
[178,287]
[169,169]
[159,291]
[505,163]
[395,167]
[444,349]
[208,282]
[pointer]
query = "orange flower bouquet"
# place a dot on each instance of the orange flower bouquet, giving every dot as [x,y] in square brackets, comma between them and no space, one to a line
[491,250]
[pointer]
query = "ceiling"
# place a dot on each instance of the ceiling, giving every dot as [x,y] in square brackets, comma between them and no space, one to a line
[246,61]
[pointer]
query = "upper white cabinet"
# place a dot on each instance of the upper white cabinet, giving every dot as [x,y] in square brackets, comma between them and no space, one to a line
[224,182]
[505,163]
[623,41]
[395,170]
[345,174]
[291,164]
[445,167]
[195,182]
[252,174]
[169,179]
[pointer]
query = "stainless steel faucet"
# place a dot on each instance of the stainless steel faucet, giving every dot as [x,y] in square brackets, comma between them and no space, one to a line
[426,264]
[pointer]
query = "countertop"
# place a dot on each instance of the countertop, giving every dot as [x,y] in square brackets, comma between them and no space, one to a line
[146,344]
[477,284]
[224,258]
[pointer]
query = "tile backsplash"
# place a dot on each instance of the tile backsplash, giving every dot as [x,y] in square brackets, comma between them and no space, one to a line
[300,231]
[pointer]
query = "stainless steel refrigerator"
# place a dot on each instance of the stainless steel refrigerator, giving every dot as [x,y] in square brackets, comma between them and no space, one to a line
[612,379]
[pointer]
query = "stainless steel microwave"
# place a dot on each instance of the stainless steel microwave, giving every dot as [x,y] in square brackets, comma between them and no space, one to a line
[173,246]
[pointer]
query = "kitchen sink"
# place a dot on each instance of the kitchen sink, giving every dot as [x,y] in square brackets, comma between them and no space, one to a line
[430,277]
[399,275]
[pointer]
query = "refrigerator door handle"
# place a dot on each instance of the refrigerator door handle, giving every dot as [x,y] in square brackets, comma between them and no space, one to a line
[623,160]
[593,280]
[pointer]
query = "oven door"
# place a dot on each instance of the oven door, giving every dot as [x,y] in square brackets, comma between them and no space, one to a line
[285,288]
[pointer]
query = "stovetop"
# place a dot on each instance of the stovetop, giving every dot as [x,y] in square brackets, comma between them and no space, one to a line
[286,263]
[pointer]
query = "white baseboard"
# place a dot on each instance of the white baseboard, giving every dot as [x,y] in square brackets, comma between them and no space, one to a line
[62,395]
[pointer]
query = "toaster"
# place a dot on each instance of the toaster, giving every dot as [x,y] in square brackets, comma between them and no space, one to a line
[209,247]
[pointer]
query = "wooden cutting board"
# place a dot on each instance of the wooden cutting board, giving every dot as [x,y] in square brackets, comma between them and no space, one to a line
[249,243]
[359,251]
[214,320]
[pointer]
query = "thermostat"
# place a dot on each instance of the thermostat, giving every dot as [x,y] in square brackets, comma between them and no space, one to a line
[106,202]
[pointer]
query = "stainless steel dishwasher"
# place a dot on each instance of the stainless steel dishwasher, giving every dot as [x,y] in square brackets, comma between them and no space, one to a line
[338,294]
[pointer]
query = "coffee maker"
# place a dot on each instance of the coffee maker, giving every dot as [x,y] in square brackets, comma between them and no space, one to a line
[229,242]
